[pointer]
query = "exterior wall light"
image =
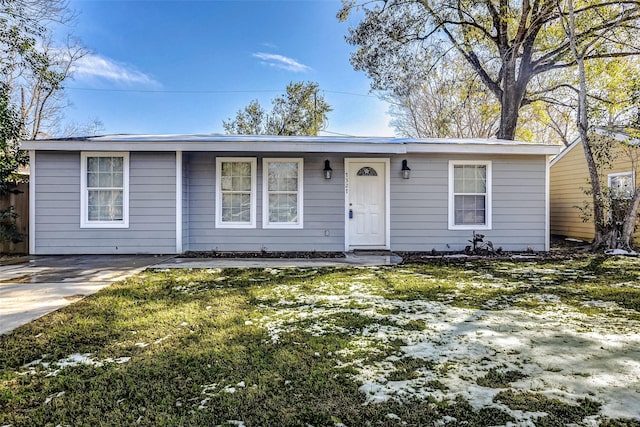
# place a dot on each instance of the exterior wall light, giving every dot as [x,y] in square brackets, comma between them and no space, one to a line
[406,170]
[327,170]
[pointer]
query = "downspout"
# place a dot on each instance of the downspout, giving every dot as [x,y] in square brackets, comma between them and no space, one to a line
[32,202]
[547,201]
[178,202]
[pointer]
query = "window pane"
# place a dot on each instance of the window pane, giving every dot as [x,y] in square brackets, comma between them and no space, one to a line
[469,179]
[92,179]
[226,183]
[235,176]
[621,186]
[283,176]
[242,168]
[104,165]
[117,163]
[226,169]
[244,185]
[283,208]
[470,210]
[105,205]
[236,207]
[92,164]
[118,179]
[105,172]
[105,179]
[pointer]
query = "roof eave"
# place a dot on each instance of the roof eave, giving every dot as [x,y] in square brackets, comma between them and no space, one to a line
[475,148]
[239,146]
[291,144]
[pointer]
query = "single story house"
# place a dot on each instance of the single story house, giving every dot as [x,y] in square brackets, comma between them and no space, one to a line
[164,194]
[570,181]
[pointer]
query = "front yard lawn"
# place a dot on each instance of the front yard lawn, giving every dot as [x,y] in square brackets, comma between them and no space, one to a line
[480,343]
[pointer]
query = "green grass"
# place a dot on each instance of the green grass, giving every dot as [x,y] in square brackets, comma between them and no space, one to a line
[293,347]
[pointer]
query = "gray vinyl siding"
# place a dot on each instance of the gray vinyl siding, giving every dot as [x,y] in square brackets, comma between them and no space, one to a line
[323,210]
[152,206]
[419,206]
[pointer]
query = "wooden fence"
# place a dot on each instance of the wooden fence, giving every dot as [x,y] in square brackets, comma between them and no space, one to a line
[21,203]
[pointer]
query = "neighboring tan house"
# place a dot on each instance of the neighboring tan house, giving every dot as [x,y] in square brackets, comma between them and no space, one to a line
[570,181]
[175,193]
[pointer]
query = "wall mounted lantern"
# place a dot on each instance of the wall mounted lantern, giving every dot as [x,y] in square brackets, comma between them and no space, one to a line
[327,170]
[406,170]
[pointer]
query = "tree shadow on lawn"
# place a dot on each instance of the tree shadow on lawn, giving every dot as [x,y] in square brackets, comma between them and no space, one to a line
[183,374]
[202,361]
[483,283]
[140,309]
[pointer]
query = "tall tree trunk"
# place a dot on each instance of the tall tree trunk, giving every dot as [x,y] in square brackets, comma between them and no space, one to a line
[629,224]
[513,91]
[605,234]
[508,116]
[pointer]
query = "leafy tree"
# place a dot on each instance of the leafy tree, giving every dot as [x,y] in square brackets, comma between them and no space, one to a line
[300,111]
[252,120]
[32,66]
[512,46]
[11,158]
[614,217]
[449,102]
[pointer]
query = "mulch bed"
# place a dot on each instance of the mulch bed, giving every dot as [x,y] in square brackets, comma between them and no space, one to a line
[262,254]
[560,249]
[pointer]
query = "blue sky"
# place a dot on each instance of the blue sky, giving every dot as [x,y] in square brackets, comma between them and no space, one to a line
[184,66]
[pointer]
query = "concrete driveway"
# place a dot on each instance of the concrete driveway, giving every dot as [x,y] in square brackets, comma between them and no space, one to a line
[33,286]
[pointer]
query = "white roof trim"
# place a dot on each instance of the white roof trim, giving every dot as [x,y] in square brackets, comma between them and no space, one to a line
[617,135]
[298,144]
[488,148]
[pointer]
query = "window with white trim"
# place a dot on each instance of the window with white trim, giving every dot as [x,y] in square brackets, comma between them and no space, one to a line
[282,193]
[104,190]
[621,185]
[236,192]
[470,195]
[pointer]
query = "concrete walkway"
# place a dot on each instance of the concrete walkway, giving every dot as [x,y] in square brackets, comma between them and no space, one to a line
[31,287]
[350,259]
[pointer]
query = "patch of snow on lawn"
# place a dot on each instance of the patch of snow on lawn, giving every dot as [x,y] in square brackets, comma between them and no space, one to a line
[620,252]
[562,354]
[72,360]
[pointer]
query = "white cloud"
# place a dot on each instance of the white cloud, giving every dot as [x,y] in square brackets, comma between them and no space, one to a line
[283,62]
[96,66]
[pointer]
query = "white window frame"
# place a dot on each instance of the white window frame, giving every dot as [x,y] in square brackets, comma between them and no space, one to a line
[488,197]
[84,191]
[254,166]
[617,174]
[265,193]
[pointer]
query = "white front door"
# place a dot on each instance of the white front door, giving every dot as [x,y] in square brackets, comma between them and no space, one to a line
[366,203]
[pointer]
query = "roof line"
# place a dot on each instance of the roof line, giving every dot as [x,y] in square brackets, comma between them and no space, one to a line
[564,152]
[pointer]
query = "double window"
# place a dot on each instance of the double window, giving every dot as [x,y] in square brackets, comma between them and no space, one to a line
[282,199]
[469,195]
[104,190]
